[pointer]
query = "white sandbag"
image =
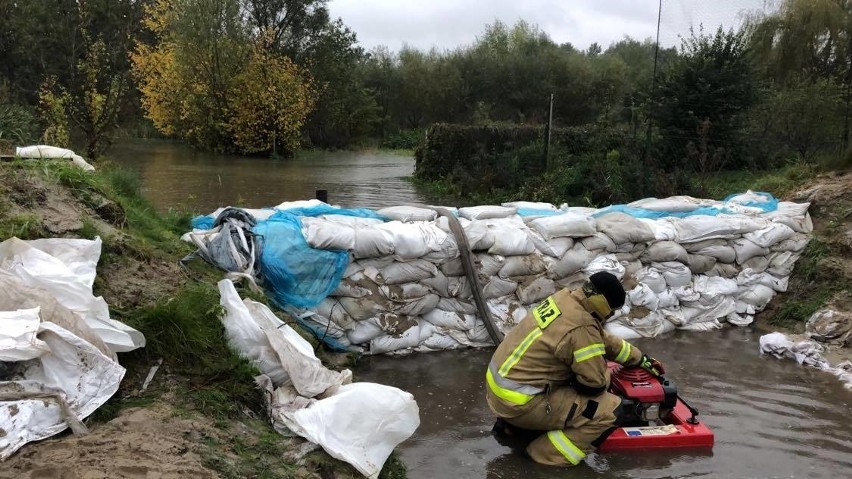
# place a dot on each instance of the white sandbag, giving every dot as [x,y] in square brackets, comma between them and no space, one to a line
[60,278]
[642,295]
[439,283]
[749,277]
[700,264]
[362,308]
[507,313]
[608,263]
[575,260]
[630,267]
[573,281]
[666,299]
[555,247]
[770,235]
[408,213]
[510,240]
[564,225]
[652,325]
[531,205]
[747,249]
[723,270]
[456,305]
[526,265]
[459,287]
[405,300]
[533,289]
[662,251]
[364,332]
[407,339]
[353,268]
[758,264]
[739,319]
[478,336]
[794,215]
[675,204]
[715,286]
[273,346]
[330,308]
[757,295]
[675,274]
[59,389]
[323,234]
[79,255]
[357,286]
[663,230]
[53,152]
[360,424]
[490,265]
[404,292]
[699,312]
[485,212]
[795,244]
[452,268]
[623,228]
[372,243]
[685,293]
[439,341]
[450,319]
[599,242]
[702,326]
[498,287]
[702,227]
[351,221]
[781,263]
[289,205]
[18,340]
[409,239]
[479,236]
[400,272]
[653,278]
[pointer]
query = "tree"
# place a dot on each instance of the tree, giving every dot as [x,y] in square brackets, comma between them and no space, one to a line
[702,100]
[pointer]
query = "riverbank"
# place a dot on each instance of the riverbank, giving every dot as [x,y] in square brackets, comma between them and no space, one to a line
[201,415]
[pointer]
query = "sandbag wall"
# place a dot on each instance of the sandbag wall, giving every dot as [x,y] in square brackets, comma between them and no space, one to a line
[405,289]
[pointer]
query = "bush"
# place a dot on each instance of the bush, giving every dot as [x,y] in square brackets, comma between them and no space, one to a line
[405,139]
[17,124]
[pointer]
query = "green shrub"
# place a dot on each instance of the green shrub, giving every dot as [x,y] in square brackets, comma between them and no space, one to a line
[17,124]
[405,139]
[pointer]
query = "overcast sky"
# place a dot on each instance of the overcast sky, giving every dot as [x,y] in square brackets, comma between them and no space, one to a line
[447,24]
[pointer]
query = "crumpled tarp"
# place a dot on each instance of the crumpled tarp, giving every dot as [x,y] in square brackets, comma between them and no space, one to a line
[57,342]
[52,152]
[358,423]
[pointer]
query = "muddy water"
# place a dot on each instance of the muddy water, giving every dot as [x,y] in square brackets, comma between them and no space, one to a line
[176,176]
[772,419]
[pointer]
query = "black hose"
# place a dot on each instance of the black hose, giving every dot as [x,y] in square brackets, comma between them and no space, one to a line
[467,263]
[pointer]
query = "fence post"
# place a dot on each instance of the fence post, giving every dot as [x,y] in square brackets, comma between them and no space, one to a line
[322,195]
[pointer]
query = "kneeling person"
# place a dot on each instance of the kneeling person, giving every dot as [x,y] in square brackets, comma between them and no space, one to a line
[550,372]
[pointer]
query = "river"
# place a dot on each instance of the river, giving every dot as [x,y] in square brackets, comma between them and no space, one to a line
[772,419]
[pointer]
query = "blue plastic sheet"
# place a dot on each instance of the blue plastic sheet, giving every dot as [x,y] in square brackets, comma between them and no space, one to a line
[768,203]
[537,212]
[293,272]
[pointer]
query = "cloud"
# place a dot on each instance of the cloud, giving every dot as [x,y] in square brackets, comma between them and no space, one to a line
[447,24]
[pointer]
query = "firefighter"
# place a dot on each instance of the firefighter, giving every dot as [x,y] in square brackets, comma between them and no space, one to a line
[550,372]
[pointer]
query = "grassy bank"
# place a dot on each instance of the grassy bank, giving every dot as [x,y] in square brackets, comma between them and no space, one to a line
[176,307]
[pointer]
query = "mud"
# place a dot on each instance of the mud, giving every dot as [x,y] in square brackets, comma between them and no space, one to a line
[772,419]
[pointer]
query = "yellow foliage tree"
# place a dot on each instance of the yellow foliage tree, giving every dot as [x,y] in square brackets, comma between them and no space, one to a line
[269,103]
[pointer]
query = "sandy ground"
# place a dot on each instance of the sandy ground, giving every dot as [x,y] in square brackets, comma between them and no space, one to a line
[150,443]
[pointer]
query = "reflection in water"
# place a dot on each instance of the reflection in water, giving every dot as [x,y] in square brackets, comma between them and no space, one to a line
[176,176]
[772,419]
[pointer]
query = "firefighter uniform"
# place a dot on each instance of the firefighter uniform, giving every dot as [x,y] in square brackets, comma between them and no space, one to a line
[550,374]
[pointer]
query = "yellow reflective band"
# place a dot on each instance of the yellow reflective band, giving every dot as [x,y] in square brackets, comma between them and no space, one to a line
[624,354]
[589,352]
[516,355]
[560,441]
[513,397]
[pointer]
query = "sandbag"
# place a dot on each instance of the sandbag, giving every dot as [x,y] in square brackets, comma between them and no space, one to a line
[360,309]
[747,249]
[533,289]
[653,278]
[757,295]
[407,339]
[607,263]
[490,265]
[453,268]
[364,332]
[623,228]
[439,283]
[564,225]
[781,263]
[356,286]
[330,308]
[450,319]
[409,239]
[599,242]
[642,295]
[530,205]
[372,243]
[770,235]
[457,305]
[479,236]
[663,251]
[700,264]
[526,265]
[675,274]
[18,335]
[400,272]
[439,341]
[795,244]
[572,262]
[324,234]
[407,214]
[510,241]
[701,227]
[486,212]
[506,311]
[723,270]
[498,287]
[555,247]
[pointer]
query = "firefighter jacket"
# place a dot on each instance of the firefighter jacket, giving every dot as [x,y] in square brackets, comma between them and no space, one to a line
[558,344]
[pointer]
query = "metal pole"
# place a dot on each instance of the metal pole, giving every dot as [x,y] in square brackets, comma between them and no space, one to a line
[654,80]
[549,131]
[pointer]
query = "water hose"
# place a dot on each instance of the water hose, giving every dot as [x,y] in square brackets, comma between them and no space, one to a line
[467,263]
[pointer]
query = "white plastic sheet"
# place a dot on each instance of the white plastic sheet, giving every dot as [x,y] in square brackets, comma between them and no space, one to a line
[52,152]
[18,341]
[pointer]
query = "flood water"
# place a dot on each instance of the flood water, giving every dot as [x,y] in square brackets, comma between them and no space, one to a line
[176,176]
[771,418]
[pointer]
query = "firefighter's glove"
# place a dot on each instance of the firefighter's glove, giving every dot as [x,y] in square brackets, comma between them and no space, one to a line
[652,365]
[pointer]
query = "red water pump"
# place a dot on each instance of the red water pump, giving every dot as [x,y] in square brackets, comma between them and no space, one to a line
[653,414]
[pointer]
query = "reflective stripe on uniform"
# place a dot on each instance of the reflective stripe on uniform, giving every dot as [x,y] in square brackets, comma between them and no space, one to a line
[519,351]
[624,353]
[560,441]
[589,352]
[508,390]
